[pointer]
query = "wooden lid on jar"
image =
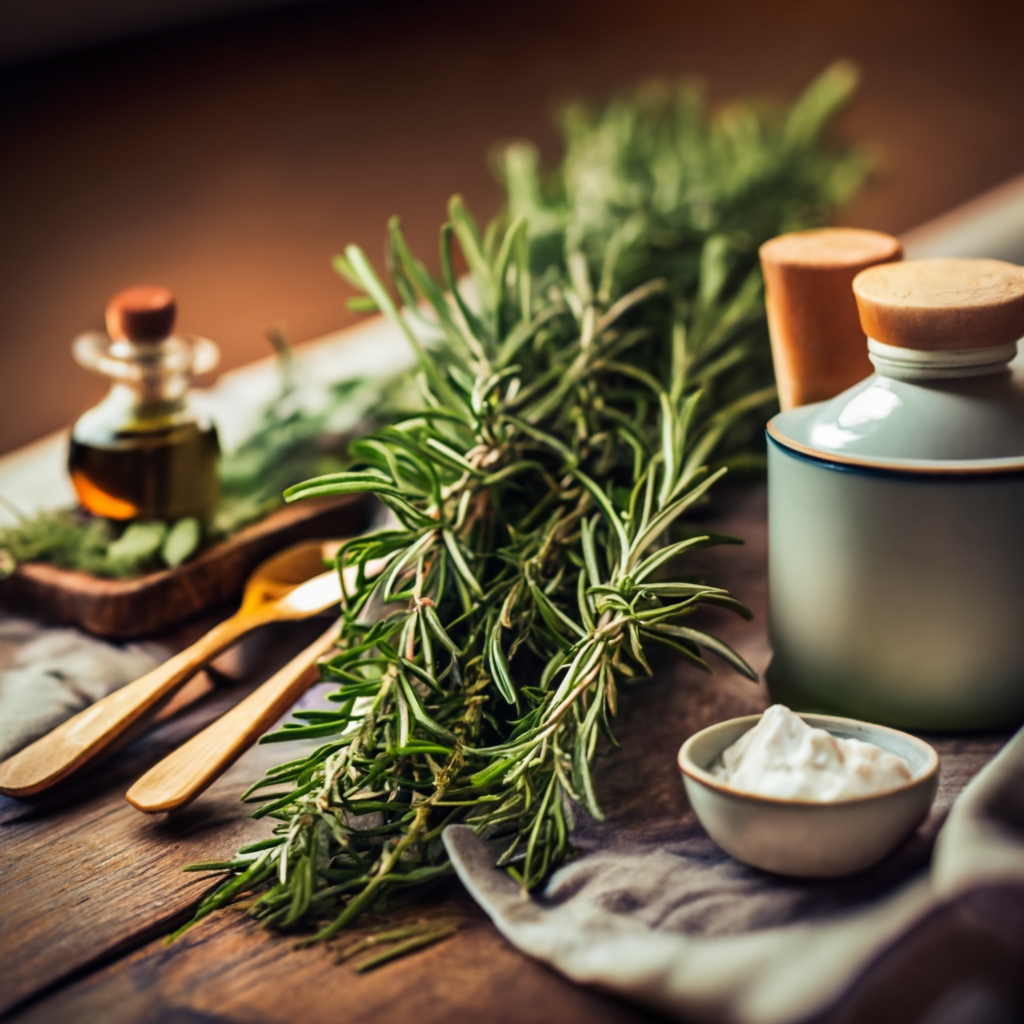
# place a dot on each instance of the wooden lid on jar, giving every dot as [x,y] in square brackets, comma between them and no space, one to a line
[143,313]
[942,304]
[818,346]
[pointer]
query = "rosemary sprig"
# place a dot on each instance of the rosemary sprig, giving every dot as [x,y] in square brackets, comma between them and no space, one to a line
[295,438]
[659,186]
[401,941]
[575,397]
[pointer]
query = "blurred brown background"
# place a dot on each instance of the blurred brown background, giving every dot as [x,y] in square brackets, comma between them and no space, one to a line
[231,159]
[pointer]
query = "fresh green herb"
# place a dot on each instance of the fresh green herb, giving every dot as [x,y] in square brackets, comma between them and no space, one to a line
[660,186]
[401,941]
[535,491]
[611,346]
[294,439]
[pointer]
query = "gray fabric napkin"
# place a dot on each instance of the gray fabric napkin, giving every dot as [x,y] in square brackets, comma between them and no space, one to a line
[665,918]
[47,675]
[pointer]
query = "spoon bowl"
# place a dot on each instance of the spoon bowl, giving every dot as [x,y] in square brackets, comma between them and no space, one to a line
[284,571]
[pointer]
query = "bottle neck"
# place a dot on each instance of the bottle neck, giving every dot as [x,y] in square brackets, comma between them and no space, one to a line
[949,364]
[126,408]
[159,372]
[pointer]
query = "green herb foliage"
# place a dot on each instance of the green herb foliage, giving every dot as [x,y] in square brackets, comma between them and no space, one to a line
[574,398]
[658,185]
[487,635]
[610,345]
[63,537]
[294,440]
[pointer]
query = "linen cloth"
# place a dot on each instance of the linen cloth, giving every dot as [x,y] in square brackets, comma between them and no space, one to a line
[49,674]
[662,916]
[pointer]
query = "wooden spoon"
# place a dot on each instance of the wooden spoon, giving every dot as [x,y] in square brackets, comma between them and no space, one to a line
[276,591]
[186,772]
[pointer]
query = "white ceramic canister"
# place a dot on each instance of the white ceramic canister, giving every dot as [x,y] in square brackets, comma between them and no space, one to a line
[896,511]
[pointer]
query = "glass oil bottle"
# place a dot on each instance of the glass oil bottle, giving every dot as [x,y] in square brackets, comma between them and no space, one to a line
[144,452]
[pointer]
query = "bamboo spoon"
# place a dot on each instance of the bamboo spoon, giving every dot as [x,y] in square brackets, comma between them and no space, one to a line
[186,772]
[275,592]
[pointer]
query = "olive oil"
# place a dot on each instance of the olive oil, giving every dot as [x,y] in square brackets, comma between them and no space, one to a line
[143,452]
[164,474]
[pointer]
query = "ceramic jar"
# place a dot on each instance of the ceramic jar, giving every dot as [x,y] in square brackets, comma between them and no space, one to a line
[896,511]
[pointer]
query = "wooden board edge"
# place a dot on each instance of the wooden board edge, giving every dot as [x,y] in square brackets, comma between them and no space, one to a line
[151,604]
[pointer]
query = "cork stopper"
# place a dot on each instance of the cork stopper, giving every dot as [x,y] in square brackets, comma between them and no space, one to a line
[142,313]
[818,346]
[940,305]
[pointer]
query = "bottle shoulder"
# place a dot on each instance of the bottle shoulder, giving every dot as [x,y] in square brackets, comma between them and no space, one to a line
[120,417]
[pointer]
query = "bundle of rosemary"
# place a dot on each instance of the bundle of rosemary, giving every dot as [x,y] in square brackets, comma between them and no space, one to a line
[610,346]
[659,185]
[484,643]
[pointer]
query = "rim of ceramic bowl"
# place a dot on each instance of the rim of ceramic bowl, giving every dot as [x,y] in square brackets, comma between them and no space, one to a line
[913,467]
[705,778]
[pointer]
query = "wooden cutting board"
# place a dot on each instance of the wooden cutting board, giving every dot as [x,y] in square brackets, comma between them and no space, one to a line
[151,604]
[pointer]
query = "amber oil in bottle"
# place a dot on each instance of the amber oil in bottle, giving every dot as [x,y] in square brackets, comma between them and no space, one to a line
[144,452]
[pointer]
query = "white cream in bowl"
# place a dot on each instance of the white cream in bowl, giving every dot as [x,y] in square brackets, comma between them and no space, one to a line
[810,817]
[784,757]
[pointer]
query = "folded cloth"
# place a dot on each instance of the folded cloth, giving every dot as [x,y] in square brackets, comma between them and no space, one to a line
[667,919]
[47,675]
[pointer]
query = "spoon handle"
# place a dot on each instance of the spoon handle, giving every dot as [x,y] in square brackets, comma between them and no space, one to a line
[80,739]
[187,771]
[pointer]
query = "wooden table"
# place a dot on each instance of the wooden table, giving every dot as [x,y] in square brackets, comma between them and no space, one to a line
[90,886]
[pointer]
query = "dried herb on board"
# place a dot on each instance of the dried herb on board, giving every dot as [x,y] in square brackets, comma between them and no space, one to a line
[575,401]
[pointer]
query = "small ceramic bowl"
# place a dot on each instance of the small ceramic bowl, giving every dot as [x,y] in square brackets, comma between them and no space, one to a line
[799,837]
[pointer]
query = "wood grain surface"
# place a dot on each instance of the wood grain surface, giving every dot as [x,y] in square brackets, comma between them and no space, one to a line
[90,885]
[125,609]
[85,875]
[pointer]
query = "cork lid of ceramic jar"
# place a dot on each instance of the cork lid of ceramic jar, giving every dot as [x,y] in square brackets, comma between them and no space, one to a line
[942,304]
[947,394]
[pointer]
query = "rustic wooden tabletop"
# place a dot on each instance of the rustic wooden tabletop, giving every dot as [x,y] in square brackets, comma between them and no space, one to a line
[91,887]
